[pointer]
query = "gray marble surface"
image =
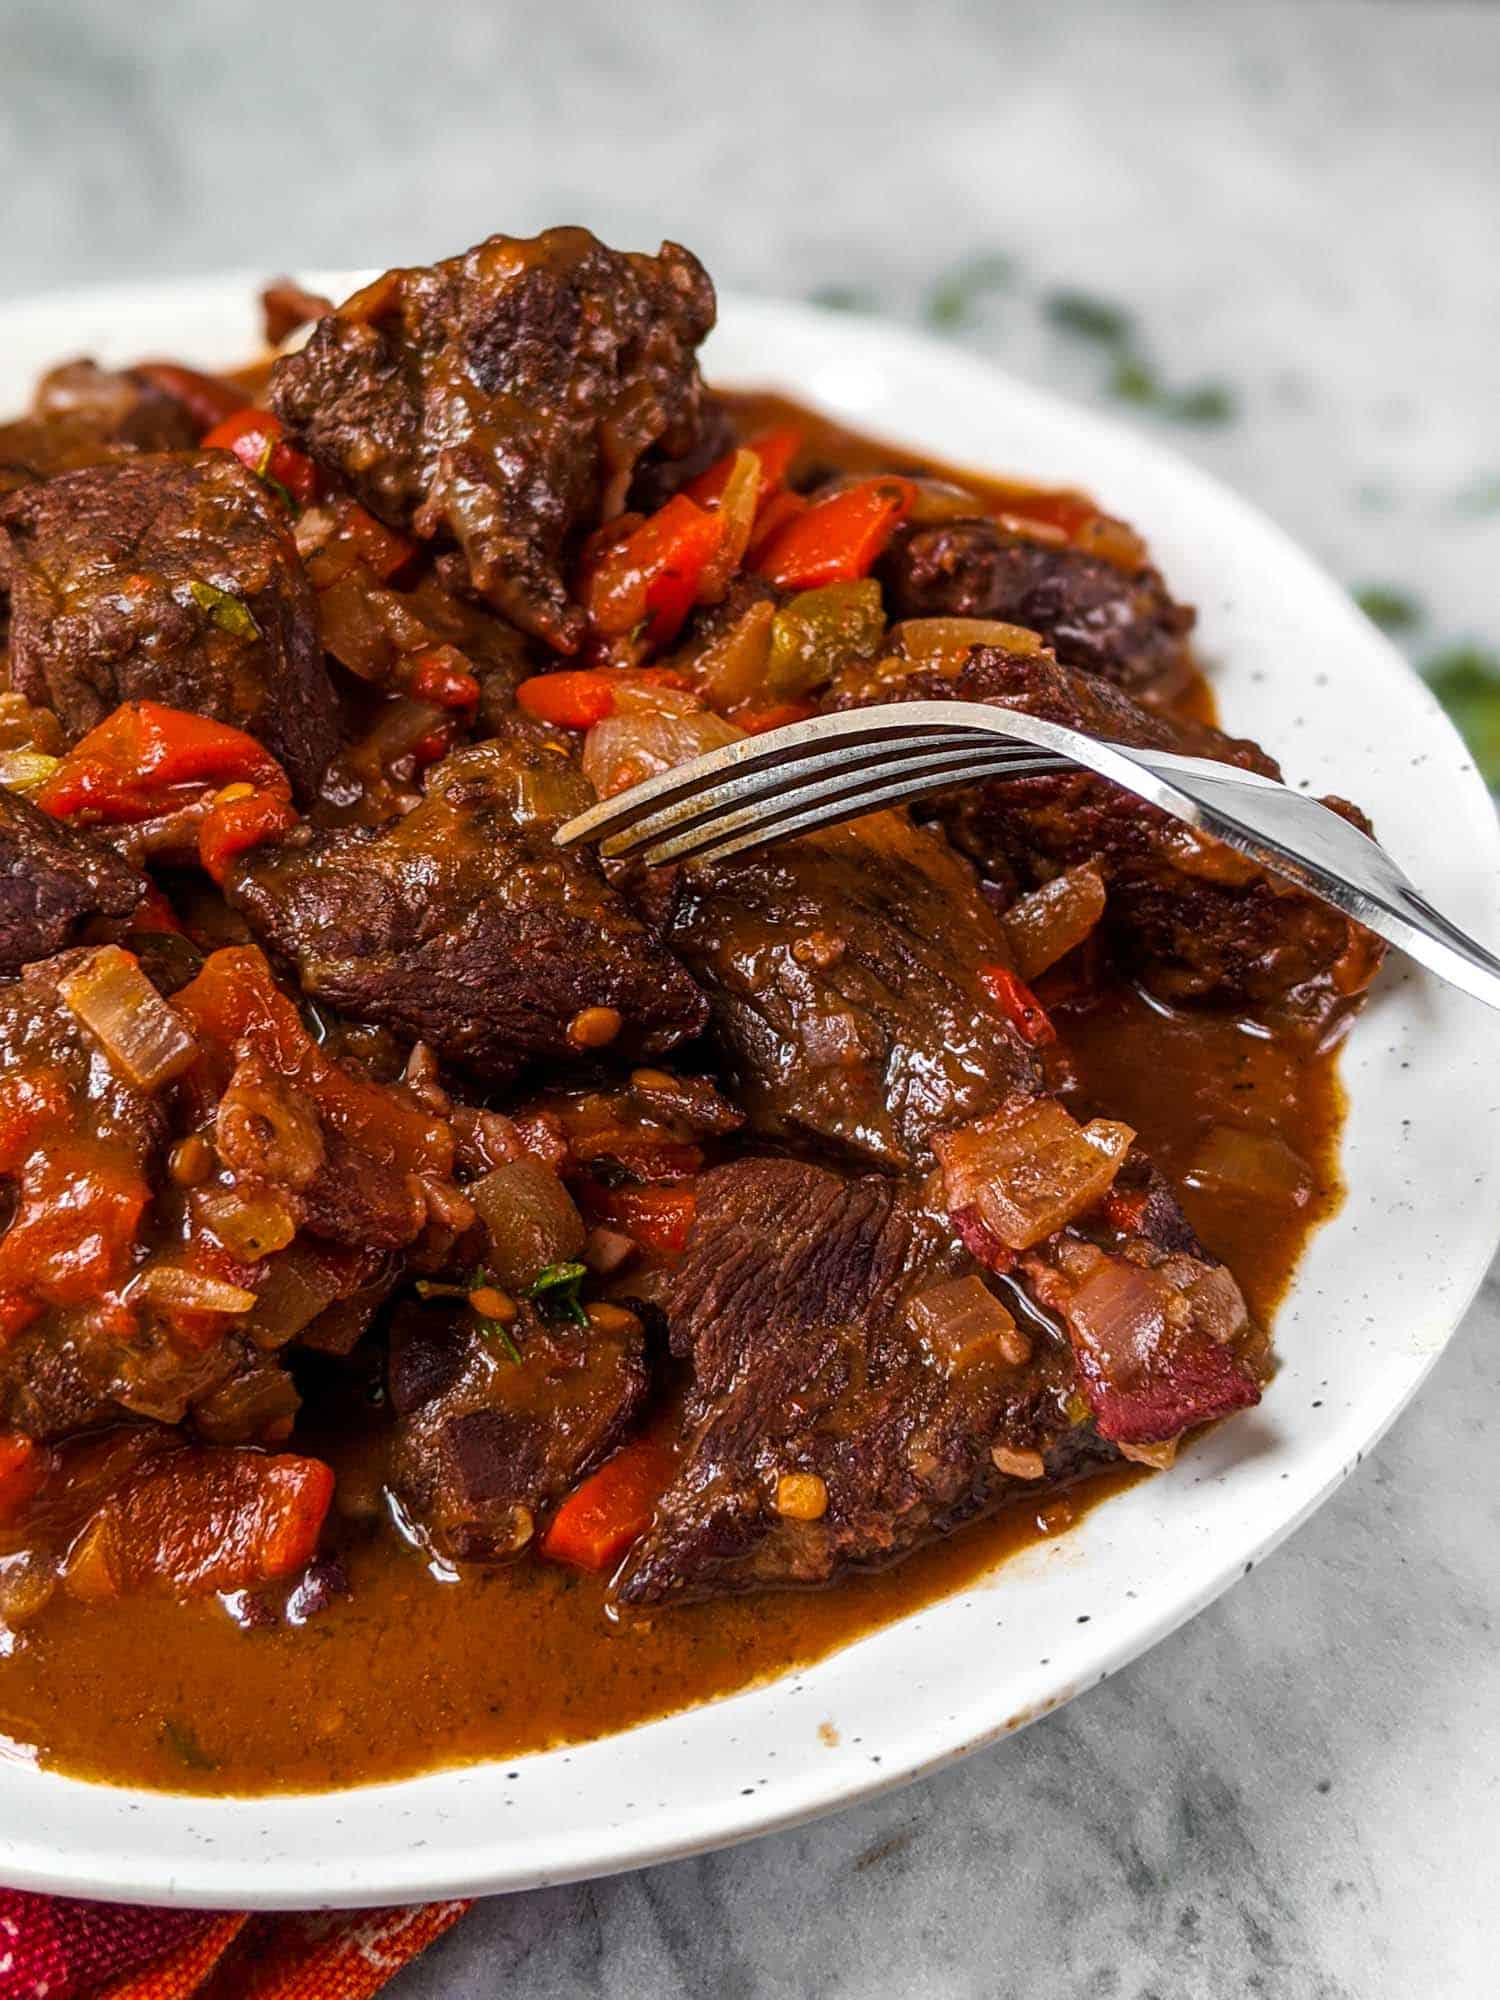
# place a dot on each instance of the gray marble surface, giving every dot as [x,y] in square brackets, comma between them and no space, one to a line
[1299,1795]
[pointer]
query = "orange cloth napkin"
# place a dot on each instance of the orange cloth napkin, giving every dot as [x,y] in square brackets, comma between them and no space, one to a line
[52,1948]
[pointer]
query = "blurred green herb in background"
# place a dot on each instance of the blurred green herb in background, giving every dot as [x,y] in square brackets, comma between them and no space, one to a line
[1391,609]
[1089,317]
[1480,496]
[954,299]
[1466,680]
[845,298]
[1133,378]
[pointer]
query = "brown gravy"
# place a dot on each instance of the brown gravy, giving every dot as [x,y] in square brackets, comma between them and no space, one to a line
[412,1671]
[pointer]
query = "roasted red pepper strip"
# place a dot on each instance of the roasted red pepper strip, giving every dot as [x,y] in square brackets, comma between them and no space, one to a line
[207,400]
[145,759]
[22,1464]
[257,439]
[440,674]
[756,721]
[599,1520]
[380,548]
[650,579]
[837,540]
[658,1218]
[579,697]
[236,824]
[1018,1004]
[774,448]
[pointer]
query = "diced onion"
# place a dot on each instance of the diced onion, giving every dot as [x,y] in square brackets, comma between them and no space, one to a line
[297,1286]
[937,642]
[177,1289]
[1030,1168]
[1120,1310]
[962,1322]
[1251,1163]
[624,749]
[531,1220]
[1045,925]
[144,1038]
[251,1222]
[24,770]
[732,668]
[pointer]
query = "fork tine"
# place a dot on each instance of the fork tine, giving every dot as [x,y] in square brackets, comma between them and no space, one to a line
[779,750]
[725,807]
[706,790]
[849,795]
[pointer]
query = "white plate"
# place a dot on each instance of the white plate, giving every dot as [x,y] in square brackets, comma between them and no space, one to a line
[1381,1290]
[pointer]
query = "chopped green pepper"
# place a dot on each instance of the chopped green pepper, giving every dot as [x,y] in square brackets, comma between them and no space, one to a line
[818,632]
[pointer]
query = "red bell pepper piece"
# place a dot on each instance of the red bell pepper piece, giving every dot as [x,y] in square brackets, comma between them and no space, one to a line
[774,448]
[579,697]
[258,440]
[234,825]
[772,518]
[1018,1004]
[440,675]
[657,1218]
[145,759]
[198,1521]
[756,721]
[600,1519]
[22,1465]
[380,548]
[207,400]
[837,540]
[650,578]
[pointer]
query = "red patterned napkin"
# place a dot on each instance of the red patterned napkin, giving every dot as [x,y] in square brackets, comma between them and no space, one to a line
[52,1948]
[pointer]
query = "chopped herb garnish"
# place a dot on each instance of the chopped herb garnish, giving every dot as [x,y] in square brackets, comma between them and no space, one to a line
[1392,610]
[472,1291]
[229,613]
[1088,317]
[554,1292]
[1466,680]
[1135,381]
[184,1745]
[953,299]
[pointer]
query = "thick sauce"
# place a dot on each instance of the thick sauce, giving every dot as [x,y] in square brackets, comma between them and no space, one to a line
[412,1670]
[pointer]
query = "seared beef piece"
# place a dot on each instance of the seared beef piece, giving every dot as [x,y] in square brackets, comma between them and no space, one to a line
[170,579]
[1123,627]
[1159,1327]
[484,1442]
[501,400]
[791,1300]
[658,477]
[1197,920]
[83,414]
[464,926]
[51,881]
[843,972]
[285,305]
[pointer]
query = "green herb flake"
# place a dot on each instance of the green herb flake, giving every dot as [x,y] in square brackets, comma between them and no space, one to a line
[493,1329]
[953,299]
[1204,403]
[184,1745]
[554,1292]
[1088,317]
[1480,496]
[1466,680]
[845,298]
[229,613]
[1134,382]
[1392,610]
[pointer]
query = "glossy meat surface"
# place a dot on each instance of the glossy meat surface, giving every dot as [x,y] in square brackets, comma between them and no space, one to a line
[171,579]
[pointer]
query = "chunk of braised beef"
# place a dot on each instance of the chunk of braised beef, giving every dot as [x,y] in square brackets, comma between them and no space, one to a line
[463,925]
[1121,626]
[52,881]
[82,415]
[1196,919]
[1160,1329]
[495,1424]
[501,400]
[824,1430]
[171,579]
[844,974]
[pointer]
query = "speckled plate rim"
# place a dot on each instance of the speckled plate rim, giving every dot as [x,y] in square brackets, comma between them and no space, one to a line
[1380,1292]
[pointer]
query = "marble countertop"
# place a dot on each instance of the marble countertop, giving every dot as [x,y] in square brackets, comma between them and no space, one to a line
[1298,207]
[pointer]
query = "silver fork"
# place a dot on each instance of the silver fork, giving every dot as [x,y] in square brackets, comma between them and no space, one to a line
[835,767]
